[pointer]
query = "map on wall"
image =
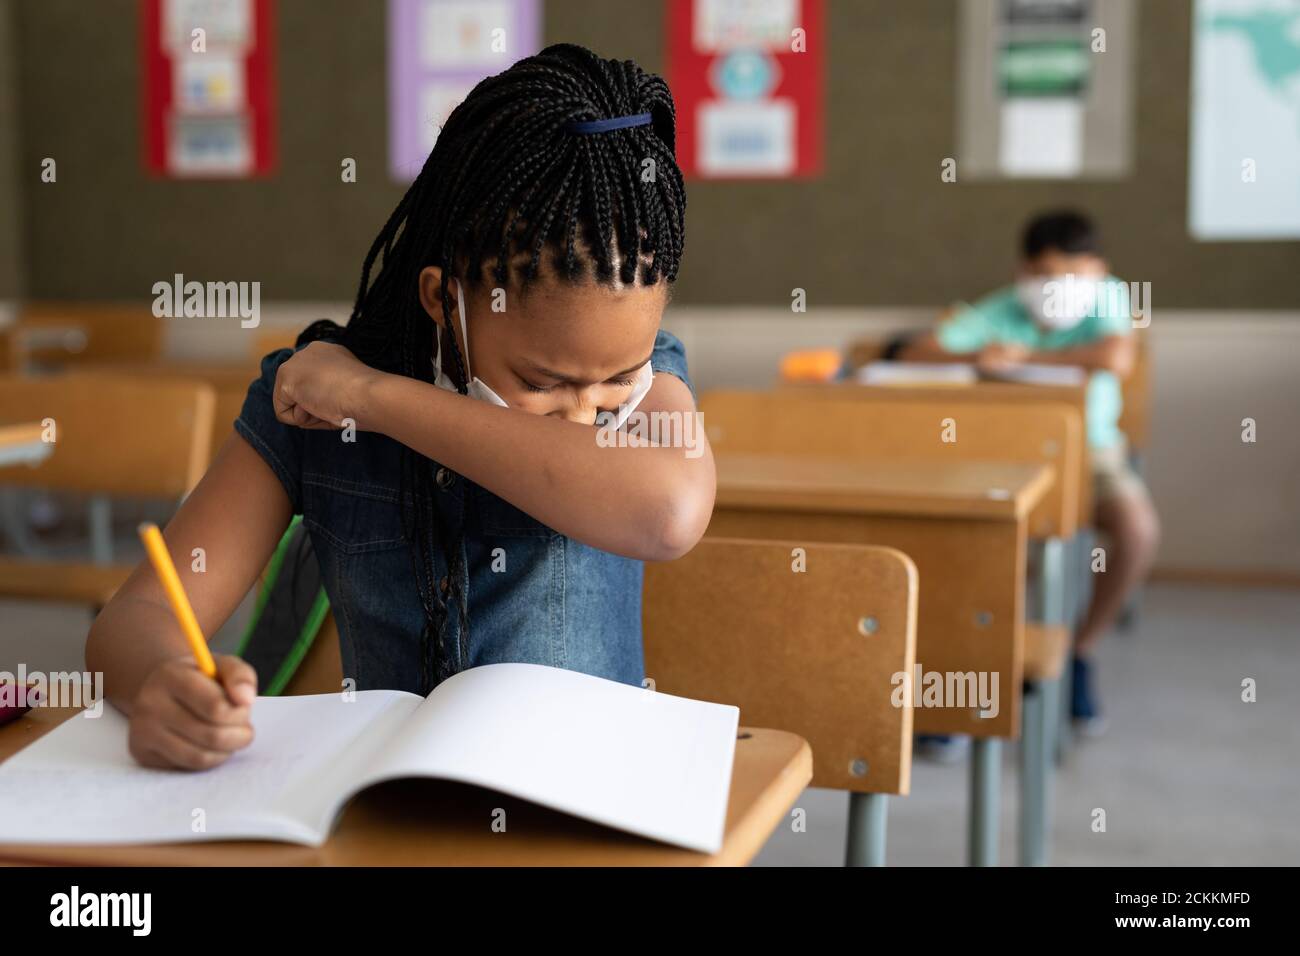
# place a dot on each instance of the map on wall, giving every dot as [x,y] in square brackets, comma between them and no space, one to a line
[1244,180]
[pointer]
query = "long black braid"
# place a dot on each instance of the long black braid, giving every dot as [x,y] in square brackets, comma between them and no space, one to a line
[508,181]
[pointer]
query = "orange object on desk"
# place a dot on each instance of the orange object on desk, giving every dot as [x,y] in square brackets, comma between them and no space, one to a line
[811,365]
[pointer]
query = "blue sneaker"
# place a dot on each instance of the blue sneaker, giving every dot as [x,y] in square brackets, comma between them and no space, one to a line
[1085,709]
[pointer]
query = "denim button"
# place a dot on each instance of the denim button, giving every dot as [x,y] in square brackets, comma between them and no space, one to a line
[445,585]
[444,478]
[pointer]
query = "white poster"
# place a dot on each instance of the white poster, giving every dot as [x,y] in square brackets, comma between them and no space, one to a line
[1244,177]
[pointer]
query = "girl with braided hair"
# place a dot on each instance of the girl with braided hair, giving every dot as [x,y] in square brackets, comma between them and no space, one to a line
[442,446]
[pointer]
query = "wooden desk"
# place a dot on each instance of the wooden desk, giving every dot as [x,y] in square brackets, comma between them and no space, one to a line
[962,523]
[75,332]
[436,823]
[235,376]
[975,489]
[22,444]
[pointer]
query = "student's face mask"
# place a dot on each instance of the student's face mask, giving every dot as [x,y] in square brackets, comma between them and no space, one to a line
[476,388]
[480,390]
[1058,302]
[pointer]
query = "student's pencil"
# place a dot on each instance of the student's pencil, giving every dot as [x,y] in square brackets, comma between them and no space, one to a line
[171,582]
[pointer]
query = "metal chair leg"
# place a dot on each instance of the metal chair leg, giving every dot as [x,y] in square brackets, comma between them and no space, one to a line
[867,819]
[985,800]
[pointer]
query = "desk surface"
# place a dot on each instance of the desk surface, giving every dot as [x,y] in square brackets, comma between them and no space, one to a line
[22,444]
[237,375]
[968,489]
[431,822]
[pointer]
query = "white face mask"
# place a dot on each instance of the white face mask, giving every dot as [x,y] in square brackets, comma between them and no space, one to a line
[1059,302]
[476,388]
[480,390]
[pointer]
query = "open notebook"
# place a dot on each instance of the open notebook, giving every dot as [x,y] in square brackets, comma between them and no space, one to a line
[633,759]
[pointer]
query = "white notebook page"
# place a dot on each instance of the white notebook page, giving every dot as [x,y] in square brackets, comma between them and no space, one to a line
[634,759]
[79,784]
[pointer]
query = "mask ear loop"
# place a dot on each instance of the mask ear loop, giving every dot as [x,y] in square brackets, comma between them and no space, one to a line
[438,360]
[464,329]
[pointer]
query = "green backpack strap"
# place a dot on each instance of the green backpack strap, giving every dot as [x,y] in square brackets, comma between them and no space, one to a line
[288,615]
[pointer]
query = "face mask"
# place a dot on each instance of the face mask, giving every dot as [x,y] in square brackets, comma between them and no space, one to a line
[1058,302]
[479,389]
[644,378]
[476,388]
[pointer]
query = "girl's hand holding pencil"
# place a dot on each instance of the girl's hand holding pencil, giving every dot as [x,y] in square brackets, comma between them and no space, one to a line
[184,720]
[195,710]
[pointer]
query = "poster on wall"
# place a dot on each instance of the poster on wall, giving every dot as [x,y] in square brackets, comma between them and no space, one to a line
[437,51]
[208,87]
[746,77]
[1045,88]
[1244,180]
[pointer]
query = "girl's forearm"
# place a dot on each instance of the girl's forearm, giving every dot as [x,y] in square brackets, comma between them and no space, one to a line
[651,503]
[130,638]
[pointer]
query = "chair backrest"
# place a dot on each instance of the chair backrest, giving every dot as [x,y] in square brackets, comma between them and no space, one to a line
[819,423]
[981,393]
[113,435]
[71,333]
[802,637]
[1135,420]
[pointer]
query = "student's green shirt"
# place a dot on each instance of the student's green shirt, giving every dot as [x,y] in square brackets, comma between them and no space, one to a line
[999,317]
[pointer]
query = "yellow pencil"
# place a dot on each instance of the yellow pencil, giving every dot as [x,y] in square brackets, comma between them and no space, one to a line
[171,582]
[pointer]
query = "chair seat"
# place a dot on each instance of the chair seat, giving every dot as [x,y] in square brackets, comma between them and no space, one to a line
[1046,646]
[70,581]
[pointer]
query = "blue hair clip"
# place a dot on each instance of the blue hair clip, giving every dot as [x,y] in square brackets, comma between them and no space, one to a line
[605,125]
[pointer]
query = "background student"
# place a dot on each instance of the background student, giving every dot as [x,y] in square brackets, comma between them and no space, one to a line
[1065,308]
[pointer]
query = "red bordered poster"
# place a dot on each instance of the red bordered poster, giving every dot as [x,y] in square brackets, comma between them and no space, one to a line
[746,77]
[208,87]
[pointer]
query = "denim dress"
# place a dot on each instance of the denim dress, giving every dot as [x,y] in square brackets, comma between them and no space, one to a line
[533,595]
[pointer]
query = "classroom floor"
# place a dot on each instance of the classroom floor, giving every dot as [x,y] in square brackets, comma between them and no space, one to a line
[1188,773]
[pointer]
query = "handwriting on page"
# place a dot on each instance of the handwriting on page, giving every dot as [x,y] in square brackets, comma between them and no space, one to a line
[138,800]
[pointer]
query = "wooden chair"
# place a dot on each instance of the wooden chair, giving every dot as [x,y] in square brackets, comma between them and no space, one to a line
[813,651]
[229,383]
[1135,419]
[113,436]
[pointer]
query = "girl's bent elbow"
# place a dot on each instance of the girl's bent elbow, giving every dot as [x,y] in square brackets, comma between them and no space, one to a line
[680,527]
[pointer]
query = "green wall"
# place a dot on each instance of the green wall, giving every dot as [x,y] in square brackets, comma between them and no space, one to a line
[879,228]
